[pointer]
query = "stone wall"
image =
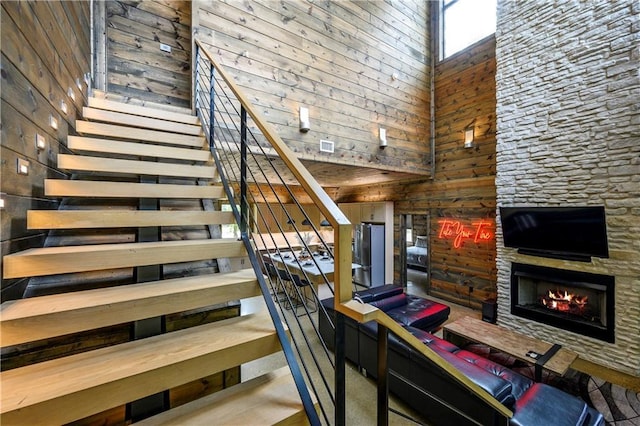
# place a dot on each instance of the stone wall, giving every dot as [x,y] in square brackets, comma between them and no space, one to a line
[568,124]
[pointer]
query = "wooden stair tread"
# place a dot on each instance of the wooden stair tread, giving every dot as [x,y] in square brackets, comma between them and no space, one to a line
[31,319]
[115,97]
[140,122]
[65,389]
[67,259]
[108,146]
[144,111]
[265,400]
[83,219]
[110,165]
[124,132]
[88,188]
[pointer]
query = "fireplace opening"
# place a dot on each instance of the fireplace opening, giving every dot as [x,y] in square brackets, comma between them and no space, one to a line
[575,301]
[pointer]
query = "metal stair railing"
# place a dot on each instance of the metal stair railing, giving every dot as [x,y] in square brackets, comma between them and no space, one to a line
[258,169]
[244,151]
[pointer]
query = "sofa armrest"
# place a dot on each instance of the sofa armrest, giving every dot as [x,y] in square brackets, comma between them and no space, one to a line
[377,293]
[389,303]
[545,405]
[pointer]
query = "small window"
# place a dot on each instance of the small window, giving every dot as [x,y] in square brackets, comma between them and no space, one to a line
[229,230]
[463,22]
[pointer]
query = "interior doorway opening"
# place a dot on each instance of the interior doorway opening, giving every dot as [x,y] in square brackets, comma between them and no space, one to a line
[415,251]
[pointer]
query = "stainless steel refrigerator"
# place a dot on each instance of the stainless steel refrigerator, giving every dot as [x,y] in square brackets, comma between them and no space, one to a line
[368,252]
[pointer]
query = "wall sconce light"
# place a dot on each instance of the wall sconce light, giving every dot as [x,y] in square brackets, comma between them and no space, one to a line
[63,106]
[2,195]
[468,137]
[304,120]
[53,122]
[78,83]
[382,136]
[71,94]
[41,142]
[23,166]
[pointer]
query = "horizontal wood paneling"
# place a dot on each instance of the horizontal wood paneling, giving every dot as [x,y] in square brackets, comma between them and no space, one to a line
[463,187]
[356,66]
[135,64]
[45,54]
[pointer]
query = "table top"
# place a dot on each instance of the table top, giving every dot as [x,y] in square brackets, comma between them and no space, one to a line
[510,342]
[321,264]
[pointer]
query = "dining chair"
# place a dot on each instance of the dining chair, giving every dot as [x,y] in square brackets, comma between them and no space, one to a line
[307,300]
[277,291]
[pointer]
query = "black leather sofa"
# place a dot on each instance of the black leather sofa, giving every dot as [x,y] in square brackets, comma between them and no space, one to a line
[434,393]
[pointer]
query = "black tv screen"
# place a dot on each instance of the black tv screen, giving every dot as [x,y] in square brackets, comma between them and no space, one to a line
[574,233]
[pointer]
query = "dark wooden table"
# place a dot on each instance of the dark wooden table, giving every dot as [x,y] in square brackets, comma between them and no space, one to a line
[557,359]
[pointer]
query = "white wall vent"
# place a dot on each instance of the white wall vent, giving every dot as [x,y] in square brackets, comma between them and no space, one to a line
[326,146]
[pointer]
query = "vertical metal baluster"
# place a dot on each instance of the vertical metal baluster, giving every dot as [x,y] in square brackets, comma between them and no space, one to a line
[212,94]
[383,376]
[340,384]
[196,82]
[243,171]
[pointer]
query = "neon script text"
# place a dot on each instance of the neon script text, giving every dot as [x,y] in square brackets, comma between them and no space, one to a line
[479,231]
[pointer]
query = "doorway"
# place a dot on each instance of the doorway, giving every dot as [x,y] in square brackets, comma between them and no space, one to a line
[415,251]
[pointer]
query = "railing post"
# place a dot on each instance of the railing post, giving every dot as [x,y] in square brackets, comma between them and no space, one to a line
[212,98]
[243,171]
[340,384]
[383,376]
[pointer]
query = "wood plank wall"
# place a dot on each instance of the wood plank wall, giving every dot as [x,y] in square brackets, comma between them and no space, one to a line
[45,55]
[357,66]
[136,67]
[463,187]
[465,94]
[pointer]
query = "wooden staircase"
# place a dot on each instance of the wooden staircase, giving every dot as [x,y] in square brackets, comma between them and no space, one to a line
[119,142]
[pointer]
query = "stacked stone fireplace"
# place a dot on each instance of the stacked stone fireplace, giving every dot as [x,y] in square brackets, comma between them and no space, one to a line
[580,302]
[568,135]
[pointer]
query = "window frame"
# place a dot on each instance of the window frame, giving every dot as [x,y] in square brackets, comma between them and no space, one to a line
[441,6]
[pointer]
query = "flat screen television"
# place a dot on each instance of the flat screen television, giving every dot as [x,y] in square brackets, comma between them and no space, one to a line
[572,233]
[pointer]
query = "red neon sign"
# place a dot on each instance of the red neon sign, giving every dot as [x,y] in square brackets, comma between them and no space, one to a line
[479,231]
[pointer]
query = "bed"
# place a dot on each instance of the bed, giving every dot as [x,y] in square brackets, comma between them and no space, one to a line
[417,254]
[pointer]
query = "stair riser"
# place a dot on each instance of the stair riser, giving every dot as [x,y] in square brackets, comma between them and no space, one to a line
[111,257]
